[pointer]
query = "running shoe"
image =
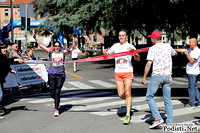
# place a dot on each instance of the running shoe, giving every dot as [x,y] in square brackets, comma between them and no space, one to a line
[189,106]
[198,106]
[157,123]
[56,113]
[127,119]
[1,117]
[2,111]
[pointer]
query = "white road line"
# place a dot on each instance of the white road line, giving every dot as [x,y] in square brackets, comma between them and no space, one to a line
[41,100]
[102,83]
[137,79]
[181,79]
[66,89]
[179,82]
[80,85]
[140,79]
[88,107]
[134,83]
[119,102]
[36,100]
[88,100]
[112,80]
[176,112]
[139,108]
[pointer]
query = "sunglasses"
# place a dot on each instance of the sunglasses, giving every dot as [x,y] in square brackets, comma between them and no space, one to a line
[56,46]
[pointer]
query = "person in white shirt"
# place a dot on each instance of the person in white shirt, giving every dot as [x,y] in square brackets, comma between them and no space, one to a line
[160,55]
[75,54]
[192,70]
[123,70]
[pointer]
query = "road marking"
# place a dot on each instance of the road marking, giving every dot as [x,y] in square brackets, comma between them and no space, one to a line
[112,80]
[179,82]
[80,85]
[106,104]
[133,84]
[181,79]
[102,83]
[73,75]
[176,112]
[138,108]
[47,99]
[89,100]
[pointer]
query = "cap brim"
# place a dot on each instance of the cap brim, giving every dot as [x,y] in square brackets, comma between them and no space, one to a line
[149,36]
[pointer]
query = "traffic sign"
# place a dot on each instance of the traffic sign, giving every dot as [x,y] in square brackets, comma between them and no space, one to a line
[26,10]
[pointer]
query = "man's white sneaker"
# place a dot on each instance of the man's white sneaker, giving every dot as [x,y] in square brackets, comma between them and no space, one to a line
[156,123]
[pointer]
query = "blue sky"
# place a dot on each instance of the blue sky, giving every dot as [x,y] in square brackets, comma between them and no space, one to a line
[3,0]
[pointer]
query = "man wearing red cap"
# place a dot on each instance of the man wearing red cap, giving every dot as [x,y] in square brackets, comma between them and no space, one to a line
[160,55]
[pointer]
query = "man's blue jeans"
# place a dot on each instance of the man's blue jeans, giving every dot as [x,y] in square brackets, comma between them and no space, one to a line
[1,95]
[193,89]
[165,82]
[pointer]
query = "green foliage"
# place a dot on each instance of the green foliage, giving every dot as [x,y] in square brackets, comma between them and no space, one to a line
[143,16]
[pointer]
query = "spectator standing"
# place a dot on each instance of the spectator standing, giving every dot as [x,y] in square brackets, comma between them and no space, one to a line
[28,55]
[4,70]
[160,55]
[33,52]
[74,54]
[14,52]
[192,70]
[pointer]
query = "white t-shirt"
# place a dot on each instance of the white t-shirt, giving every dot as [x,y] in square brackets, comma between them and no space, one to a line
[46,40]
[160,54]
[75,53]
[193,68]
[123,63]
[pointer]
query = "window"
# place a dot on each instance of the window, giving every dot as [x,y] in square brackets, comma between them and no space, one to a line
[6,12]
[94,38]
[5,22]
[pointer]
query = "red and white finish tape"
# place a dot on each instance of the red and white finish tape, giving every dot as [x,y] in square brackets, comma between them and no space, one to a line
[96,58]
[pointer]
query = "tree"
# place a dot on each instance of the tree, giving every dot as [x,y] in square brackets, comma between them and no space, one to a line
[172,16]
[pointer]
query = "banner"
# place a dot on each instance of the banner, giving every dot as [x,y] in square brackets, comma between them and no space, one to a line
[27,74]
[11,81]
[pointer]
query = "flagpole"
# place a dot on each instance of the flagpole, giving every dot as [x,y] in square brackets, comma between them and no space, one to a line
[11,21]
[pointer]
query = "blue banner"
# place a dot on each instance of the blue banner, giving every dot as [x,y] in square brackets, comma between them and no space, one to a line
[17,23]
[60,38]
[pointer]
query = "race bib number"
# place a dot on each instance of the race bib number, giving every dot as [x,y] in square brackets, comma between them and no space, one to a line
[58,57]
[121,62]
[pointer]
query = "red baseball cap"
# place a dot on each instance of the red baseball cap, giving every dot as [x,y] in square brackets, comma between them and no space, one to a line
[155,34]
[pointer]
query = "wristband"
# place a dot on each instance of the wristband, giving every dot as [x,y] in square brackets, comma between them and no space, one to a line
[186,54]
[68,50]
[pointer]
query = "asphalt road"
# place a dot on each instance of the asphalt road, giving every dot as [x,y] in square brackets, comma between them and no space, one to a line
[90,104]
